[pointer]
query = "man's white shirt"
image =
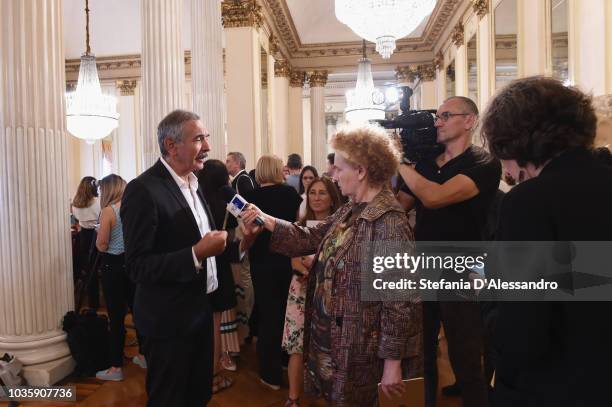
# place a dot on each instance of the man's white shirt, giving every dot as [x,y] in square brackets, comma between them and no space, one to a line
[189,190]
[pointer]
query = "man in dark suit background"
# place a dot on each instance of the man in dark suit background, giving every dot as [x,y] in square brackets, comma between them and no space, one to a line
[235,163]
[551,353]
[170,244]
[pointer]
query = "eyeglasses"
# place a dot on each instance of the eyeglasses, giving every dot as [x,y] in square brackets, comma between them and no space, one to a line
[444,116]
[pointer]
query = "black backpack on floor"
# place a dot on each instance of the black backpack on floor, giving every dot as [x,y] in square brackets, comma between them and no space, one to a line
[88,340]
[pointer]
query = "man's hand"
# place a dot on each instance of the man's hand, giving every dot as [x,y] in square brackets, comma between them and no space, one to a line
[391,382]
[211,244]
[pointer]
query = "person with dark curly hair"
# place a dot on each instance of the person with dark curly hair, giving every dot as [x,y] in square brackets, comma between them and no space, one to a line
[551,353]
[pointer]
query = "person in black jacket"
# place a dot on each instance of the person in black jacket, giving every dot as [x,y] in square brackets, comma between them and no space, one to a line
[236,164]
[170,249]
[551,353]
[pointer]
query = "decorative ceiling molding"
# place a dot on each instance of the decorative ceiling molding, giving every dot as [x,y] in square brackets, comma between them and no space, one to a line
[282,24]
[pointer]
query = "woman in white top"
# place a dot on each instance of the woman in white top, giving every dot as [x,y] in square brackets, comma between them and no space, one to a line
[86,209]
[308,174]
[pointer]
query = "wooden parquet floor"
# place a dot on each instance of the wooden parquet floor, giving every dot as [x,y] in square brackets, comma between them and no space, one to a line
[246,391]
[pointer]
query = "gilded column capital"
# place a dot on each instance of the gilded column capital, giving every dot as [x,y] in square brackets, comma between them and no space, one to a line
[458,34]
[126,87]
[318,78]
[282,68]
[439,60]
[426,72]
[405,74]
[481,7]
[297,79]
[273,45]
[245,13]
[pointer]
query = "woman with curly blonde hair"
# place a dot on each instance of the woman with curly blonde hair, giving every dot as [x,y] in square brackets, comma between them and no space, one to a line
[351,345]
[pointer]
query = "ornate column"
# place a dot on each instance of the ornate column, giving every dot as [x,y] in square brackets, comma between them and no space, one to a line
[406,76]
[317,80]
[461,68]
[296,116]
[128,140]
[163,69]
[331,121]
[35,256]
[590,46]
[243,78]
[281,145]
[532,48]
[207,71]
[486,55]
[440,78]
[427,73]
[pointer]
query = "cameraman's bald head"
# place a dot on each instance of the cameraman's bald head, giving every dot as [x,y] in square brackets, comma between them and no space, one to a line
[467,104]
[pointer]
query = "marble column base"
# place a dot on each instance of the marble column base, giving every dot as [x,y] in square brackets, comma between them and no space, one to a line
[48,373]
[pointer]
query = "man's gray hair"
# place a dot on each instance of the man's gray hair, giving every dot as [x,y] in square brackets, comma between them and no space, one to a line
[238,156]
[171,127]
[468,104]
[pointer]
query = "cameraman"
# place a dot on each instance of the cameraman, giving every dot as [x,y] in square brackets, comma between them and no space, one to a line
[452,194]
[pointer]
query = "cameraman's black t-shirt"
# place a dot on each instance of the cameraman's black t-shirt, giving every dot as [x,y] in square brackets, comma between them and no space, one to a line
[463,221]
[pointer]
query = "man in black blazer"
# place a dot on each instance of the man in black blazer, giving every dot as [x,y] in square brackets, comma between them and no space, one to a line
[551,353]
[170,244]
[235,163]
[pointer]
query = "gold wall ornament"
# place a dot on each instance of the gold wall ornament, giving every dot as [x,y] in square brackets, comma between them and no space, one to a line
[297,79]
[481,7]
[438,62]
[427,72]
[458,34]
[126,87]
[282,68]
[405,74]
[245,13]
[318,78]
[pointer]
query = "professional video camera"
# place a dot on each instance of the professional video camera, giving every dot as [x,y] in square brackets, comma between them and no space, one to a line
[418,134]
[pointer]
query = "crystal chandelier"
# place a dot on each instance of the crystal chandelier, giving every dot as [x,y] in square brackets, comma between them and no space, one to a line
[383,21]
[90,115]
[365,102]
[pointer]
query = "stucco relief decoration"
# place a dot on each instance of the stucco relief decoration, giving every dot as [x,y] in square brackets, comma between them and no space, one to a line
[481,7]
[427,72]
[282,68]
[458,34]
[297,79]
[126,87]
[438,62]
[236,13]
[405,74]
[318,78]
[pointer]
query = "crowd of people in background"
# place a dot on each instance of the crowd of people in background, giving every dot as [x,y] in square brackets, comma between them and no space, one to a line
[287,274]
